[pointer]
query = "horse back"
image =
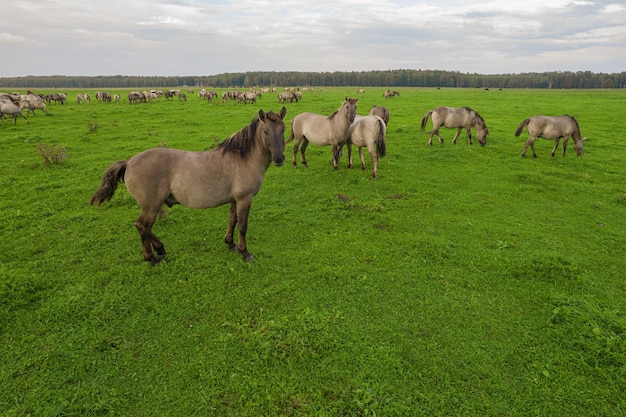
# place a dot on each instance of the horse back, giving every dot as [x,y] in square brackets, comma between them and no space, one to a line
[552,127]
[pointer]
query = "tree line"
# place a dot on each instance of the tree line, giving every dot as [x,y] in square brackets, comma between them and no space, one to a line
[389,78]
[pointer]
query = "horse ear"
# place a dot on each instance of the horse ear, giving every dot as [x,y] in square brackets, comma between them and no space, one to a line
[261,115]
[283,112]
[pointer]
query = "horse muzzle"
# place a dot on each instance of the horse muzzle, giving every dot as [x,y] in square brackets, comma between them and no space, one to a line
[278,160]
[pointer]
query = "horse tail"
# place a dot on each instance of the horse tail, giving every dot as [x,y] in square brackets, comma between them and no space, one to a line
[425,120]
[521,127]
[112,176]
[291,135]
[381,143]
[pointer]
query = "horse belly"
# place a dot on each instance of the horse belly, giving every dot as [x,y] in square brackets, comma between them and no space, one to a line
[544,128]
[202,186]
[313,127]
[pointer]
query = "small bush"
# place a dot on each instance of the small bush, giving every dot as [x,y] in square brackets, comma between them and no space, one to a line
[53,154]
[93,126]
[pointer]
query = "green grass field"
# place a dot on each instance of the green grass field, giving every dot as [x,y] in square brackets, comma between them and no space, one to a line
[464,280]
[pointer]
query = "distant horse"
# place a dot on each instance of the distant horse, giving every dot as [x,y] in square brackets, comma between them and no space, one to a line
[232,173]
[33,105]
[368,131]
[459,118]
[287,95]
[136,97]
[11,109]
[322,130]
[547,127]
[391,94]
[380,111]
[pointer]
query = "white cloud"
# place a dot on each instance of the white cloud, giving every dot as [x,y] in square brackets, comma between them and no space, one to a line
[180,37]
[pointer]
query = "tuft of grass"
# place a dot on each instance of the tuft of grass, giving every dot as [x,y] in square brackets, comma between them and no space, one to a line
[52,154]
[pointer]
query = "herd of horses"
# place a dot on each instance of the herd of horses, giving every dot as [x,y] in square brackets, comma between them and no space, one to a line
[233,172]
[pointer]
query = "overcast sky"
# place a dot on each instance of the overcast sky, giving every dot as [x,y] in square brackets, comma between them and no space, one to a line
[207,37]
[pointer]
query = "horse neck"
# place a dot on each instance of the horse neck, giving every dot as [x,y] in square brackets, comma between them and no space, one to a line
[340,118]
[260,152]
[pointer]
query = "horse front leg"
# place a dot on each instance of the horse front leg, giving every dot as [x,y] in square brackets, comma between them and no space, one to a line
[242,215]
[349,146]
[565,145]
[232,221]
[456,135]
[336,155]
[469,135]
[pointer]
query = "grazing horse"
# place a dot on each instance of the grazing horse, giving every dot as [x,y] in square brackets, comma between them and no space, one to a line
[547,127]
[380,111]
[368,131]
[459,118]
[232,173]
[322,130]
[391,94]
[287,95]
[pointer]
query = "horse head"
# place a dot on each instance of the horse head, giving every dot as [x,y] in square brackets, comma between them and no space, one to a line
[349,105]
[274,134]
[481,130]
[578,145]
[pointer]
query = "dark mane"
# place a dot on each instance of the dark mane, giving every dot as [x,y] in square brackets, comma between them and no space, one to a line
[242,141]
[333,115]
[477,115]
[575,122]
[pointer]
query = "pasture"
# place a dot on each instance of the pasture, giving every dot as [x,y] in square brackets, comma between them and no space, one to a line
[464,280]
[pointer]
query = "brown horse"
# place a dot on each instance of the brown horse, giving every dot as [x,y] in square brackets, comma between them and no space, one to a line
[390,94]
[232,173]
[459,118]
[551,128]
[380,111]
[323,130]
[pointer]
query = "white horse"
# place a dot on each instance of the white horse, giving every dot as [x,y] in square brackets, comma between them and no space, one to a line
[370,132]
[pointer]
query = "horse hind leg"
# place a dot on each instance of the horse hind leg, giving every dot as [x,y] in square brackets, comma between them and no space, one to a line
[530,142]
[435,132]
[149,241]
[374,156]
[363,160]
[556,145]
[305,143]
